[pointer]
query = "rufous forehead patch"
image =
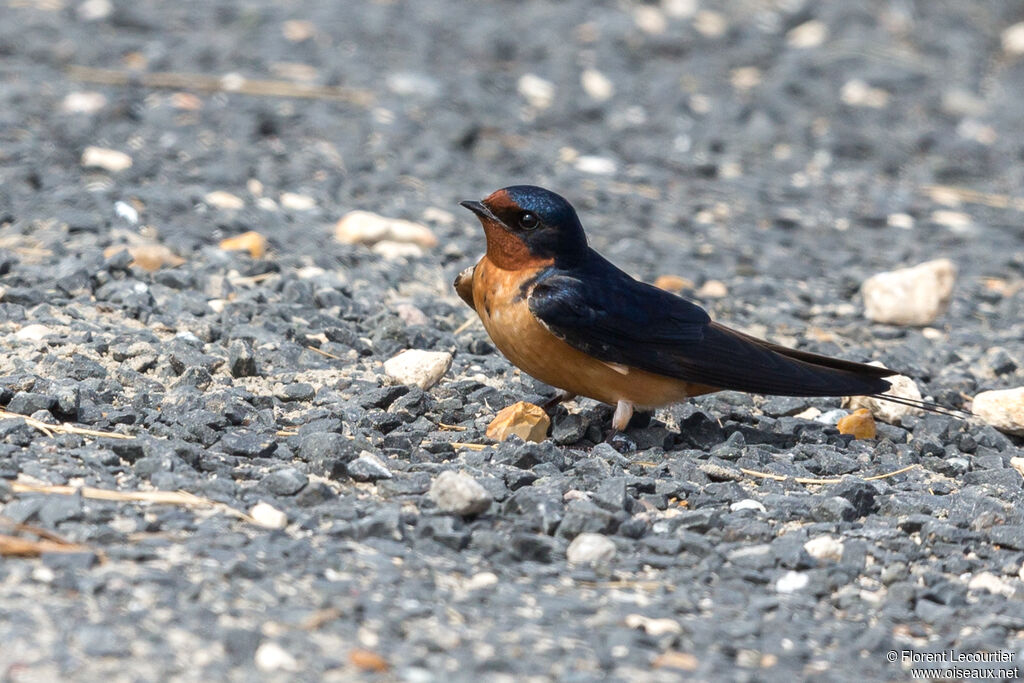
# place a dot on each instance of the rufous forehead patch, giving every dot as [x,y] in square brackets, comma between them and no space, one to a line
[499,201]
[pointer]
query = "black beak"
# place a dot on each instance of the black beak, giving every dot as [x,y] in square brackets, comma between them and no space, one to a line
[479,209]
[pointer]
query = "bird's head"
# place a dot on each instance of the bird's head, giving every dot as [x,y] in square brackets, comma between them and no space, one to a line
[528,226]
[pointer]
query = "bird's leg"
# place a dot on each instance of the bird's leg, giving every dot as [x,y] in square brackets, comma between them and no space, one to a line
[620,420]
[561,396]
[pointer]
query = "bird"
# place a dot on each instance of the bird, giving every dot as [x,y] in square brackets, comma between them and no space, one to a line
[568,317]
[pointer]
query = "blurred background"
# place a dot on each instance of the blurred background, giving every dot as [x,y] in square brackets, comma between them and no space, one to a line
[715,127]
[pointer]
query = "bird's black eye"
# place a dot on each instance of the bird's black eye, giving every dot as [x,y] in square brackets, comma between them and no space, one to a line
[528,221]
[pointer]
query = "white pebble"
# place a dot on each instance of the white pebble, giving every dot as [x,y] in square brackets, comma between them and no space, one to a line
[126,212]
[537,91]
[652,626]
[808,34]
[887,411]
[272,657]
[422,368]
[297,202]
[33,332]
[791,582]
[364,227]
[710,24]
[857,93]
[268,516]
[224,200]
[596,85]
[910,296]
[589,548]
[107,159]
[83,102]
[1003,409]
[825,548]
[392,250]
[649,19]
[595,164]
[1013,39]
[987,581]
[748,504]
[459,493]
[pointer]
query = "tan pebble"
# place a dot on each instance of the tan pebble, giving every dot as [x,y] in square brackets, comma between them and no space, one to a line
[525,420]
[860,424]
[252,242]
[673,283]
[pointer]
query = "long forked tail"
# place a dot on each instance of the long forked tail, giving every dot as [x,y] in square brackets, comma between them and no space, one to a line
[802,373]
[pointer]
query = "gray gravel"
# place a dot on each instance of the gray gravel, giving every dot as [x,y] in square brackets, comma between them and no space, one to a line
[786,150]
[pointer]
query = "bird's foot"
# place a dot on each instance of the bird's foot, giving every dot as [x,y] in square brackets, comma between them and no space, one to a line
[561,396]
[620,420]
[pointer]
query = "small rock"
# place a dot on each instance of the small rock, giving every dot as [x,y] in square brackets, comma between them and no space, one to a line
[268,516]
[272,657]
[716,472]
[29,402]
[1017,463]
[422,368]
[537,91]
[712,289]
[252,242]
[825,548]
[107,159]
[650,19]
[595,165]
[297,202]
[857,93]
[748,504]
[673,659]
[1003,409]
[367,660]
[597,86]
[364,227]
[368,467]
[710,24]
[285,482]
[673,283]
[526,420]
[34,332]
[83,102]
[808,34]
[148,257]
[859,423]
[459,493]
[909,296]
[887,411]
[241,361]
[392,250]
[1013,39]
[791,582]
[224,200]
[652,626]
[590,548]
[986,581]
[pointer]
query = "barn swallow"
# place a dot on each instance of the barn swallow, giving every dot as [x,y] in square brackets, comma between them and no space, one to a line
[567,316]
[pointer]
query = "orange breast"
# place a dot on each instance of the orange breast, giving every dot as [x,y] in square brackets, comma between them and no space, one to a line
[530,346]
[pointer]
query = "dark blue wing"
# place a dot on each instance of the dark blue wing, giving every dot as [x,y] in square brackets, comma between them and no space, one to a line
[603,312]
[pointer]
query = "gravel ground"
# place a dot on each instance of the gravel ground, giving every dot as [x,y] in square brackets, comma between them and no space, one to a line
[780,151]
